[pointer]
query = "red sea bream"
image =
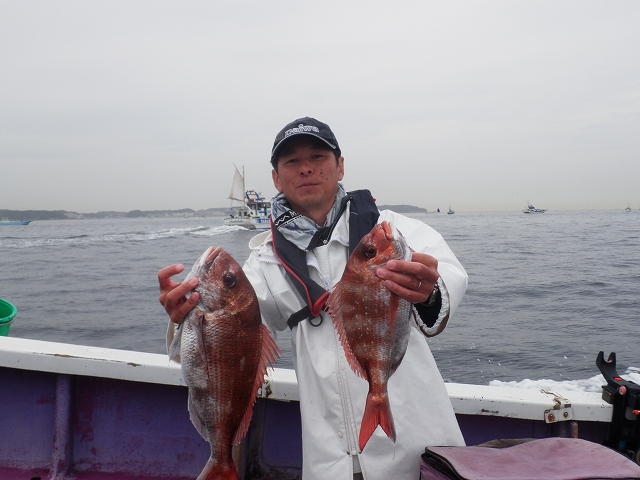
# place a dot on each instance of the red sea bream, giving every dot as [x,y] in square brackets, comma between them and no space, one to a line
[373,323]
[224,350]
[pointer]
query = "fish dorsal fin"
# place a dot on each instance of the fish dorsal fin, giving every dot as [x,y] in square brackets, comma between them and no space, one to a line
[268,355]
[335,310]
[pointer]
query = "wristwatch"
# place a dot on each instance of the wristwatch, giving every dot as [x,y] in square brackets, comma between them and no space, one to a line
[433,296]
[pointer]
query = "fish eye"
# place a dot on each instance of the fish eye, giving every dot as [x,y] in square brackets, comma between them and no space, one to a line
[229,280]
[370,251]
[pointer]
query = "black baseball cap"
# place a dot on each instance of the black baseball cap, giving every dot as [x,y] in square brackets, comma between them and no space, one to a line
[304,126]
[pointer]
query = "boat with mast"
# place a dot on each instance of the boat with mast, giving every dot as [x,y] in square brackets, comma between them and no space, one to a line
[253,211]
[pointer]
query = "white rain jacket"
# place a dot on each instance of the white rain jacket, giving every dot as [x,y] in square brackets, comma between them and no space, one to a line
[332,397]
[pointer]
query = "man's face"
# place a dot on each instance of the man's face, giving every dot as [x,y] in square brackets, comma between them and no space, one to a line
[308,175]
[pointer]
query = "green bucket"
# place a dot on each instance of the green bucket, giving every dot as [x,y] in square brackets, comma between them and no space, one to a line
[7,312]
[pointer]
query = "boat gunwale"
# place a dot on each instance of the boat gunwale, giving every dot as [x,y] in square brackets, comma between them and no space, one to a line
[281,384]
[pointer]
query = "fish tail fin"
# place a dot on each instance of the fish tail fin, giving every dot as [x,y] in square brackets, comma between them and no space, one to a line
[268,355]
[216,471]
[377,411]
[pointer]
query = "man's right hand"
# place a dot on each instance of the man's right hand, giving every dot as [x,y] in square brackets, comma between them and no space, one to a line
[173,295]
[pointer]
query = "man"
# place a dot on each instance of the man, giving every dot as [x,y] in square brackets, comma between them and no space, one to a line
[314,223]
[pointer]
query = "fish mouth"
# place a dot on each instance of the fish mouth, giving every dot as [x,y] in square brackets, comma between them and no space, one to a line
[209,256]
[395,236]
[388,230]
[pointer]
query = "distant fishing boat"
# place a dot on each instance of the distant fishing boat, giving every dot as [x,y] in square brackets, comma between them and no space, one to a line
[628,209]
[531,209]
[15,222]
[450,212]
[254,210]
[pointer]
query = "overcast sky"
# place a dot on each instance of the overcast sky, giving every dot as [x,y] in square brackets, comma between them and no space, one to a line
[478,105]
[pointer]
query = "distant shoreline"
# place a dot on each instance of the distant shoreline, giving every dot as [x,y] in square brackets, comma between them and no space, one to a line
[67,215]
[184,212]
[23,215]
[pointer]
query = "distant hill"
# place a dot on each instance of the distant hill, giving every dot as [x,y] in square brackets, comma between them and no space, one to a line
[33,214]
[403,208]
[65,215]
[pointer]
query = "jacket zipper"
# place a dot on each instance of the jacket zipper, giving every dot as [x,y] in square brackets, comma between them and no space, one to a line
[341,374]
[345,398]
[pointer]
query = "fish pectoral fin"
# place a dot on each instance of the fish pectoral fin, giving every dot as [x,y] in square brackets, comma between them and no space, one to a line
[198,328]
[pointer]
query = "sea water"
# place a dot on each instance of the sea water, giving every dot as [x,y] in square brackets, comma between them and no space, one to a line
[546,292]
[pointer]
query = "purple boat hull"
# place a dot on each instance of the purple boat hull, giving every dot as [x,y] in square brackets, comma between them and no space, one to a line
[68,424]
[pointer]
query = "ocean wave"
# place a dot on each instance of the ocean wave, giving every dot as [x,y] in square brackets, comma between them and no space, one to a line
[200,231]
[211,231]
[593,384]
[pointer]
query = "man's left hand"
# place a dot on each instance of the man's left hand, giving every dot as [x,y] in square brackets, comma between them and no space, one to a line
[414,280]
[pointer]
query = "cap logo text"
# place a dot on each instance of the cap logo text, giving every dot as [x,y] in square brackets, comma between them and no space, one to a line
[301,129]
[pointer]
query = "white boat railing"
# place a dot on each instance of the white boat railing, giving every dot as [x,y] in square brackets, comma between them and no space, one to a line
[281,384]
